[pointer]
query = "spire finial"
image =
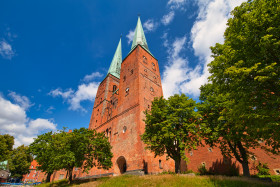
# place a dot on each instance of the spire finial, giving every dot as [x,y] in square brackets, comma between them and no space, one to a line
[139,14]
[121,35]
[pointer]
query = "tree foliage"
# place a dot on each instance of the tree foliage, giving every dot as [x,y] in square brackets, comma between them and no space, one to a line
[241,104]
[82,148]
[6,146]
[20,161]
[172,127]
[65,150]
[42,148]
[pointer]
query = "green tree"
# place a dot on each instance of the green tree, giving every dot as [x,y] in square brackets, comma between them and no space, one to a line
[172,127]
[81,148]
[241,104]
[6,146]
[42,148]
[231,137]
[20,161]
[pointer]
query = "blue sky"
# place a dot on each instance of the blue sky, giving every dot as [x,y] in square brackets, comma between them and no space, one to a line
[54,53]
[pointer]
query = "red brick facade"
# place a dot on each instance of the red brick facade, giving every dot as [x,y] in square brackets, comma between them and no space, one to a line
[34,174]
[118,112]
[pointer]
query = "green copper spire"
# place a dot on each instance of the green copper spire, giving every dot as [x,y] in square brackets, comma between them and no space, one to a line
[139,37]
[115,67]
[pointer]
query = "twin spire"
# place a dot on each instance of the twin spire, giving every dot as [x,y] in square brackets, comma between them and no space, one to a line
[115,67]
[139,38]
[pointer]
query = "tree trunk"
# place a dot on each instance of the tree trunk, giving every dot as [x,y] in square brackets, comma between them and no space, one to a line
[49,177]
[70,175]
[245,166]
[177,165]
[245,163]
[67,173]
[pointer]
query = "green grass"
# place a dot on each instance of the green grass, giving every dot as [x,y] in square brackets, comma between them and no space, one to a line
[173,180]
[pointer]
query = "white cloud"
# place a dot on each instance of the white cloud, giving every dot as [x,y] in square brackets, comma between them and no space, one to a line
[85,92]
[64,94]
[6,50]
[130,36]
[50,110]
[22,101]
[175,71]
[13,121]
[39,124]
[150,25]
[175,4]
[92,76]
[166,19]
[207,30]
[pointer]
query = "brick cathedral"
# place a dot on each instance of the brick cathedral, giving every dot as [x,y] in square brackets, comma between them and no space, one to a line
[129,89]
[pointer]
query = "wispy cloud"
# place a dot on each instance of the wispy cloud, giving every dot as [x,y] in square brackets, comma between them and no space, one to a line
[92,76]
[150,25]
[166,19]
[22,101]
[176,4]
[50,110]
[173,6]
[6,50]
[14,121]
[130,36]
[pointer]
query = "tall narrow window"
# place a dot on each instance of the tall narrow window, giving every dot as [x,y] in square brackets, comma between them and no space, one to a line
[124,129]
[159,164]
[114,88]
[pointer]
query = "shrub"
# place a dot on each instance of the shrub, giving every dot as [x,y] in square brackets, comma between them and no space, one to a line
[203,170]
[263,169]
[188,171]
[168,172]
[274,178]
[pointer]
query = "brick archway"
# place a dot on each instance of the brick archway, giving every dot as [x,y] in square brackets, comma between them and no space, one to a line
[121,162]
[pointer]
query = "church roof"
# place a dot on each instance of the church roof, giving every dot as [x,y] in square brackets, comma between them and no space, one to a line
[139,37]
[115,67]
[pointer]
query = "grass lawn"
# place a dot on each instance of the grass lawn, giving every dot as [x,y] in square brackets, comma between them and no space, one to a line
[170,180]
